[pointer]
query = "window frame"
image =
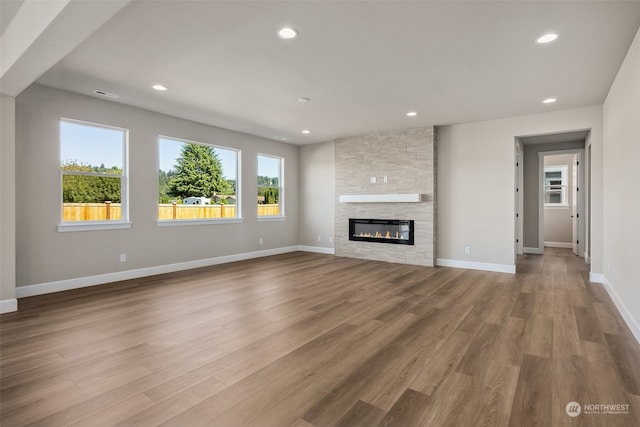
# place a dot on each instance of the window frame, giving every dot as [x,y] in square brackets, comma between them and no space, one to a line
[564,194]
[123,222]
[281,203]
[204,221]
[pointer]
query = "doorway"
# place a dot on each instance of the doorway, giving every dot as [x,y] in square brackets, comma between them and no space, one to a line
[561,205]
[563,197]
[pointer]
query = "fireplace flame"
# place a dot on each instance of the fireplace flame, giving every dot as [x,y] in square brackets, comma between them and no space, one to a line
[378,235]
[390,231]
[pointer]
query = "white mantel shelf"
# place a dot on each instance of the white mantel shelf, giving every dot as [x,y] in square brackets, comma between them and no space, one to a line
[381,198]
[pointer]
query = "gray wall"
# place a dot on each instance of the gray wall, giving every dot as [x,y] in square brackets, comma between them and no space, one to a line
[558,224]
[7,208]
[317,194]
[45,255]
[406,158]
[622,177]
[531,193]
[476,183]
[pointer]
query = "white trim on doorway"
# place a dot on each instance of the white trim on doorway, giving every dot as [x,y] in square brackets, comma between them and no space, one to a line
[519,202]
[579,152]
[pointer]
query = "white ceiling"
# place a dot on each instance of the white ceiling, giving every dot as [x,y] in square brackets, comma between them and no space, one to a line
[8,9]
[363,64]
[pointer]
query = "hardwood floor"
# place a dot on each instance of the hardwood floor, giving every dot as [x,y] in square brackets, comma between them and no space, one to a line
[314,340]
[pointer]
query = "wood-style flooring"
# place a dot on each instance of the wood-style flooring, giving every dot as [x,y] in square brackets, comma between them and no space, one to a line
[306,339]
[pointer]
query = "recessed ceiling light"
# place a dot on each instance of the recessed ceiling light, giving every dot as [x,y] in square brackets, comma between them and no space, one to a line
[159,87]
[547,38]
[287,33]
[303,100]
[306,131]
[549,101]
[412,114]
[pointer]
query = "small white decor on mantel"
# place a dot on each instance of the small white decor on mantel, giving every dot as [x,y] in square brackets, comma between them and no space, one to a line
[381,198]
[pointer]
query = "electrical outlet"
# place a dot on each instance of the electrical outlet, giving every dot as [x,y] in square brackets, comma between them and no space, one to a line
[467,249]
[384,179]
[373,179]
[260,241]
[319,238]
[123,257]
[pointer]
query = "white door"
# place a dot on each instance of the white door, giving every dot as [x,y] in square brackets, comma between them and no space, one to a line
[517,219]
[574,206]
[519,244]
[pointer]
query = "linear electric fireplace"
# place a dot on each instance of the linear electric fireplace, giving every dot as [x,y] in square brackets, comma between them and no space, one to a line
[395,231]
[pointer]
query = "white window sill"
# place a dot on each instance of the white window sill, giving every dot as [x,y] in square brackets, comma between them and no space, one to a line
[92,226]
[557,206]
[271,218]
[188,222]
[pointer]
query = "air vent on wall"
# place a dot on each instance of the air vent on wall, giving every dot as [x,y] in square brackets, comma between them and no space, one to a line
[106,94]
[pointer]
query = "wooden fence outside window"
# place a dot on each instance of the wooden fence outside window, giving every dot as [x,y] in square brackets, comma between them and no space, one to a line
[113,211]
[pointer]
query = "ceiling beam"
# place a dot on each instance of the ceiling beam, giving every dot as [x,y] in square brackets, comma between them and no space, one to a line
[42,33]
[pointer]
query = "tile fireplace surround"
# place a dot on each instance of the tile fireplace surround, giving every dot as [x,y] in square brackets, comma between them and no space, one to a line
[407,159]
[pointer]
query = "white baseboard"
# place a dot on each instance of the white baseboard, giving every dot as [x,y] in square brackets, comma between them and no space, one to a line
[8,305]
[596,277]
[82,282]
[622,308]
[317,250]
[537,251]
[558,245]
[471,265]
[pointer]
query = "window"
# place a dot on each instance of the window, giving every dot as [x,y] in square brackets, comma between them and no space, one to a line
[555,186]
[93,169]
[270,186]
[197,181]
